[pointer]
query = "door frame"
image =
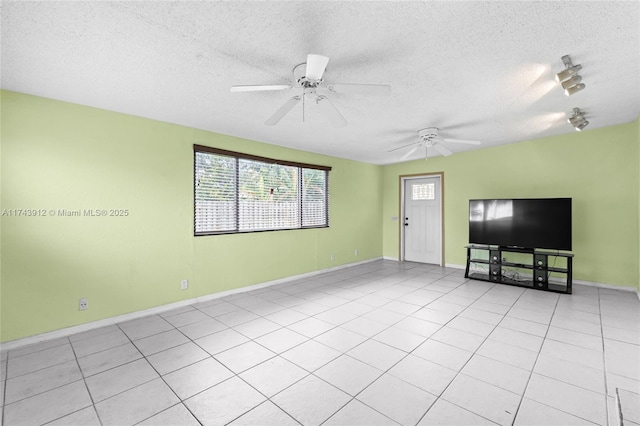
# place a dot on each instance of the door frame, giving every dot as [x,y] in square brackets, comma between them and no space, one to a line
[401,181]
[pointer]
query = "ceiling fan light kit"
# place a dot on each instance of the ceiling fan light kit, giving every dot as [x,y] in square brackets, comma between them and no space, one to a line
[308,78]
[316,64]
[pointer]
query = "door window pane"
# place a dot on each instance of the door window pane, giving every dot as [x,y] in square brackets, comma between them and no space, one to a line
[423,191]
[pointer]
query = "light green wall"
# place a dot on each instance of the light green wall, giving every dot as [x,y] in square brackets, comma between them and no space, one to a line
[598,168]
[57,155]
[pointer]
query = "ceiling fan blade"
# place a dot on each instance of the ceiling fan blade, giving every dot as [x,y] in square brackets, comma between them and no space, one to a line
[328,110]
[411,151]
[462,141]
[400,147]
[442,150]
[316,65]
[360,89]
[282,111]
[260,88]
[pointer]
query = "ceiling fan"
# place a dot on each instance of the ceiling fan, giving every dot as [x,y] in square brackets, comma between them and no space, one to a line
[429,139]
[306,81]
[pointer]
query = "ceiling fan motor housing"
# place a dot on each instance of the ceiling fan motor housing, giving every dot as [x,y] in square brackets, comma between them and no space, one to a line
[428,133]
[302,80]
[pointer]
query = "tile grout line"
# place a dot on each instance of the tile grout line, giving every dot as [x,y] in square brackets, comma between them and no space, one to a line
[86,386]
[604,366]
[533,367]
[4,390]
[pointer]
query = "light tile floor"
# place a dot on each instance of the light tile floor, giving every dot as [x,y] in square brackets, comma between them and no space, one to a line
[383,343]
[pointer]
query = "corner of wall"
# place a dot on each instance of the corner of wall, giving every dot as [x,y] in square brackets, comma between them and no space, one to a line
[638,207]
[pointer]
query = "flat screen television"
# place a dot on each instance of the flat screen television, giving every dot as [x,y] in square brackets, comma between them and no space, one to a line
[543,223]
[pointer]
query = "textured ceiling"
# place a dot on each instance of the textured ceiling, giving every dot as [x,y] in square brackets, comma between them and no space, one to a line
[480,70]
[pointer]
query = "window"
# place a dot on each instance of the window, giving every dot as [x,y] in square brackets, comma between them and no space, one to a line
[423,191]
[236,192]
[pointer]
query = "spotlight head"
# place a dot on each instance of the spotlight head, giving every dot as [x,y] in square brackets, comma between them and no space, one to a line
[575,119]
[571,82]
[584,123]
[568,73]
[574,89]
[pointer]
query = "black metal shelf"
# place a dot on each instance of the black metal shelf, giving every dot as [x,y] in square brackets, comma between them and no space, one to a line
[485,261]
[538,265]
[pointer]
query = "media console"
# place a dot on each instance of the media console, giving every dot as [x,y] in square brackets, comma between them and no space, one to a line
[520,267]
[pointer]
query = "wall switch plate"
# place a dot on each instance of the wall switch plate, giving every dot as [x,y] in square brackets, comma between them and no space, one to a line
[184,284]
[355,252]
[333,257]
[83,304]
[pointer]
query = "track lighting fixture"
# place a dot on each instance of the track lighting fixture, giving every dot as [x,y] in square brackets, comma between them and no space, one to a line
[569,78]
[577,120]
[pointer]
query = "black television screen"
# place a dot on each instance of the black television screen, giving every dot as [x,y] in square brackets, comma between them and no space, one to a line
[527,223]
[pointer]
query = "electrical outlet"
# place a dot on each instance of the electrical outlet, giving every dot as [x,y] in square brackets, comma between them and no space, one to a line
[355,252]
[83,304]
[184,284]
[333,257]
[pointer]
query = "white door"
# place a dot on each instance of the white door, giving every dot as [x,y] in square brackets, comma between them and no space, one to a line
[422,220]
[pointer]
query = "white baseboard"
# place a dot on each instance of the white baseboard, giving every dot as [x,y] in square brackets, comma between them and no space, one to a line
[68,331]
[604,285]
[455,266]
[447,265]
[609,286]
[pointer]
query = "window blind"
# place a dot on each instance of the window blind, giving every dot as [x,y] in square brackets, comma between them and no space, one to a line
[314,197]
[235,192]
